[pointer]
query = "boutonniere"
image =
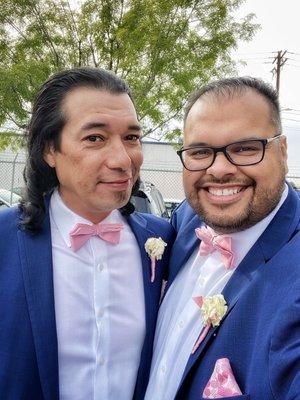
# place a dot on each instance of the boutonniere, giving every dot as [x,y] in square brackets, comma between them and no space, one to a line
[155,248]
[213,309]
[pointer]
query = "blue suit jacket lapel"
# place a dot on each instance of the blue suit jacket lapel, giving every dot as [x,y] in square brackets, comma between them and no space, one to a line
[142,232]
[139,227]
[183,247]
[36,262]
[278,233]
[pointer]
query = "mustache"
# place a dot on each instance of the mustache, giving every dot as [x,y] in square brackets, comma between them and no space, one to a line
[234,182]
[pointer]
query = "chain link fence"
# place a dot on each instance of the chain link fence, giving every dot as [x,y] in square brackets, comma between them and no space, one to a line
[161,167]
[11,170]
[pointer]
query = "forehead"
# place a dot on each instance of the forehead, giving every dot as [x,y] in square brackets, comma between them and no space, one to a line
[230,117]
[83,101]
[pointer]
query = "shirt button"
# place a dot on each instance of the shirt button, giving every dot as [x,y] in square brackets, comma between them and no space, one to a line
[100,267]
[181,324]
[163,369]
[201,281]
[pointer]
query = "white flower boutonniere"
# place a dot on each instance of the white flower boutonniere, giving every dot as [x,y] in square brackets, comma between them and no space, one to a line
[155,248]
[213,310]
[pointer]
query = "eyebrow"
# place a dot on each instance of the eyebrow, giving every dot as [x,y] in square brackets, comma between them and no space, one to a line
[204,144]
[93,125]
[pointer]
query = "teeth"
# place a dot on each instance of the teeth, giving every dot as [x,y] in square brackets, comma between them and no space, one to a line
[223,192]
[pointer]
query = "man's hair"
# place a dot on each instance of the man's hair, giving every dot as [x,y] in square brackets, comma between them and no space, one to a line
[232,87]
[44,130]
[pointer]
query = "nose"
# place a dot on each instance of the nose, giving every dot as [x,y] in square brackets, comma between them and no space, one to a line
[221,167]
[118,157]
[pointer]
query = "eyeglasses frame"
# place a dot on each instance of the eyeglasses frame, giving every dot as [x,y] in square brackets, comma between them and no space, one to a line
[222,149]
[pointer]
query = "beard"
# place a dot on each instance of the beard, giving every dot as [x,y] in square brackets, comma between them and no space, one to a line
[121,198]
[262,203]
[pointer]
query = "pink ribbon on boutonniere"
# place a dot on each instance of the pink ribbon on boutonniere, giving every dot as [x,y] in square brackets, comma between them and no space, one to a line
[213,309]
[155,248]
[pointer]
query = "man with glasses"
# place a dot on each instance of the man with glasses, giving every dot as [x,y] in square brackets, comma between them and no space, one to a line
[229,324]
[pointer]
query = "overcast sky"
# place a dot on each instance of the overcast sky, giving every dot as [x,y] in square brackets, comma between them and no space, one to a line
[280,30]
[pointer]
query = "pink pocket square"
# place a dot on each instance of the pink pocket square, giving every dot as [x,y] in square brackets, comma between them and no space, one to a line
[222,382]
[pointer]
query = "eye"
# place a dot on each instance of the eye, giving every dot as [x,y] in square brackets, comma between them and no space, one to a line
[245,148]
[132,138]
[94,138]
[199,152]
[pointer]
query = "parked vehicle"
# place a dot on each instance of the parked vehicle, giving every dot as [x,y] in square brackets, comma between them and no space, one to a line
[171,204]
[8,198]
[149,200]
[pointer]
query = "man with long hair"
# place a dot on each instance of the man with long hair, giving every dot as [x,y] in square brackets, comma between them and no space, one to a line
[78,295]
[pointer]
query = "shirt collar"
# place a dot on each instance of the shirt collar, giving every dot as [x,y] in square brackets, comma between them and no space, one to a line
[65,219]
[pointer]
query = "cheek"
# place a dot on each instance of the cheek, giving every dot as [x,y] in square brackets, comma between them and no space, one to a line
[266,174]
[137,158]
[74,168]
[190,179]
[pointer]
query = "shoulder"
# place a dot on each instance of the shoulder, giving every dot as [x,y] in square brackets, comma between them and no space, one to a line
[292,249]
[182,215]
[9,219]
[153,220]
[159,226]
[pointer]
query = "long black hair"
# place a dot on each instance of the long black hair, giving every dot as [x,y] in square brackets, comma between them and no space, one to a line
[44,129]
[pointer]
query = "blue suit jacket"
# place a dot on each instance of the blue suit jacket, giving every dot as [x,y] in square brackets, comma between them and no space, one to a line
[260,334]
[28,341]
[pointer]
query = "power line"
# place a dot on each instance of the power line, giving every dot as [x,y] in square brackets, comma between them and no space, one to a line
[290,109]
[256,52]
[291,113]
[290,119]
[293,65]
[296,54]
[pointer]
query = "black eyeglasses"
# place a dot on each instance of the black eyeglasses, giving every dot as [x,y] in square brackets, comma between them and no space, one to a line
[247,152]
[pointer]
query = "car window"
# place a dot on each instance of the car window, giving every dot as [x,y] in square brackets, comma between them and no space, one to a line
[141,204]
[149,200]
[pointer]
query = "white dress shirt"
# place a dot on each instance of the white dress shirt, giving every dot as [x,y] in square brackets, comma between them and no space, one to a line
[99,309]
[180,322]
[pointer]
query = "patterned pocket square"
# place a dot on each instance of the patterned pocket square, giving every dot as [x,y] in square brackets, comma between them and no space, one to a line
[222,382]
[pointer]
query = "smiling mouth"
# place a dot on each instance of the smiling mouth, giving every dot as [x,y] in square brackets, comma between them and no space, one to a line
[225,191]
[116,182]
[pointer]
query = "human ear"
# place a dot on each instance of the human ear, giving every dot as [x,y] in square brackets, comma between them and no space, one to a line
[49,155]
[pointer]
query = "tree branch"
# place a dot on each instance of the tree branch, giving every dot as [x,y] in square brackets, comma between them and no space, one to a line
[93,51]
[46,34]
[16,28]
[11,118]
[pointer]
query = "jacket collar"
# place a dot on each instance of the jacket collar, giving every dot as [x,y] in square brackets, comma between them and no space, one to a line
[142,232]
[36,263]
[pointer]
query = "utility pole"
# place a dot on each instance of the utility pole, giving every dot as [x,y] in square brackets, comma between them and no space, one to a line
[279,61]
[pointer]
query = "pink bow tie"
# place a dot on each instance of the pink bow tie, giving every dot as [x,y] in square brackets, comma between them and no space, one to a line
[210,242]
[81,233]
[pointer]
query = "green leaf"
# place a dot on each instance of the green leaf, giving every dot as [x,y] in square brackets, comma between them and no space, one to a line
[163,49]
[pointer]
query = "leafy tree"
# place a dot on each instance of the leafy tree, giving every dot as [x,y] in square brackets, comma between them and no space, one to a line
[163,49]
